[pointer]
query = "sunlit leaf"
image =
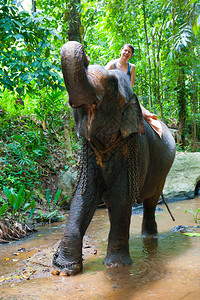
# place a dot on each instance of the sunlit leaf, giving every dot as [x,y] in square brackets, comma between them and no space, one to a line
[192,234]
[195,29]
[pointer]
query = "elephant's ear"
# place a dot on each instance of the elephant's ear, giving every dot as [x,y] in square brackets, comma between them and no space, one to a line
[132,119]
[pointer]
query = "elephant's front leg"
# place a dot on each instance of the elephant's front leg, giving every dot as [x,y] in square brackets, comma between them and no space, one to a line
[120,216]
[68,258]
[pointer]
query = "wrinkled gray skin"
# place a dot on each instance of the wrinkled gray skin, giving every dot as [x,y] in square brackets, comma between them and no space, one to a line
[108,115]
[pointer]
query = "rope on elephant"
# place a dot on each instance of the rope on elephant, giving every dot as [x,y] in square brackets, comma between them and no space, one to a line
[82,168]
[133,172]
[99,153]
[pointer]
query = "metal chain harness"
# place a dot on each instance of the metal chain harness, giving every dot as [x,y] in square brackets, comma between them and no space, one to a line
[133,172]
[82,168]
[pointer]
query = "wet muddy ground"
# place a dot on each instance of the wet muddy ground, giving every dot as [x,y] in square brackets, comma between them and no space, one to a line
[165,267]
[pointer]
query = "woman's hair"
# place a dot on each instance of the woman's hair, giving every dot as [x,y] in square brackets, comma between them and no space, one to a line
[130,46]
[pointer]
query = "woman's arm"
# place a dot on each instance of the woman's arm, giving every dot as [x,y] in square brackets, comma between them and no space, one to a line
[110,65]
[132,74]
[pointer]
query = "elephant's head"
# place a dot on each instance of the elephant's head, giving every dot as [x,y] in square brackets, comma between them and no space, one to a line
[104,105]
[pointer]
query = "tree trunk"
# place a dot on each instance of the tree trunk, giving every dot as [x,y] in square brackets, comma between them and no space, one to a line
[159,77]
[181,97]
[148,54]
[173,18]
[155,83]
[160,89]
[194,100]
[142,90]
[33,5]
[74,21]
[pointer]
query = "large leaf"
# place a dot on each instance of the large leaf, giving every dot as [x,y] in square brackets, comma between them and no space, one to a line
[12,200]
[57,195]
[3,208]
[26,207]
[7,192]
[20,198]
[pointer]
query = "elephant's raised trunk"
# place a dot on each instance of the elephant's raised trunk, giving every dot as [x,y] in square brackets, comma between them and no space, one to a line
[74,67]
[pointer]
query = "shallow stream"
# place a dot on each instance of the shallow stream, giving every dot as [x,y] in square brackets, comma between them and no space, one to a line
[165,267]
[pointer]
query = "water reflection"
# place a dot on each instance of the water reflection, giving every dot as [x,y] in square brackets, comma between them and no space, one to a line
[150,245]
[151,256]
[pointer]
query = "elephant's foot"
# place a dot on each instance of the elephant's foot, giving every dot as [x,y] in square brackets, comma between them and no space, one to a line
[64,267]
[69,269]
[149,229]
[118,259]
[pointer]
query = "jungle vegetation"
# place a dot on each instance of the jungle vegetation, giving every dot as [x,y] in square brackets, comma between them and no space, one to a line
[33,109]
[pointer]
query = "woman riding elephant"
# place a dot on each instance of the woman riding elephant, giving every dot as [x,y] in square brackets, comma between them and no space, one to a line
[128,68]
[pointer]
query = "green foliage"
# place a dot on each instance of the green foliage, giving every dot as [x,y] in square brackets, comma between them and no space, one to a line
[22,148]
[27,54]
[51,111]
[57,10]
[3,209]
[28,134]
[18,206]
[52,205]
[195,214]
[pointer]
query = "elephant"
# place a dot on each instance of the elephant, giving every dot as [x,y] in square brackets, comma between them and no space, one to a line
[123,160]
